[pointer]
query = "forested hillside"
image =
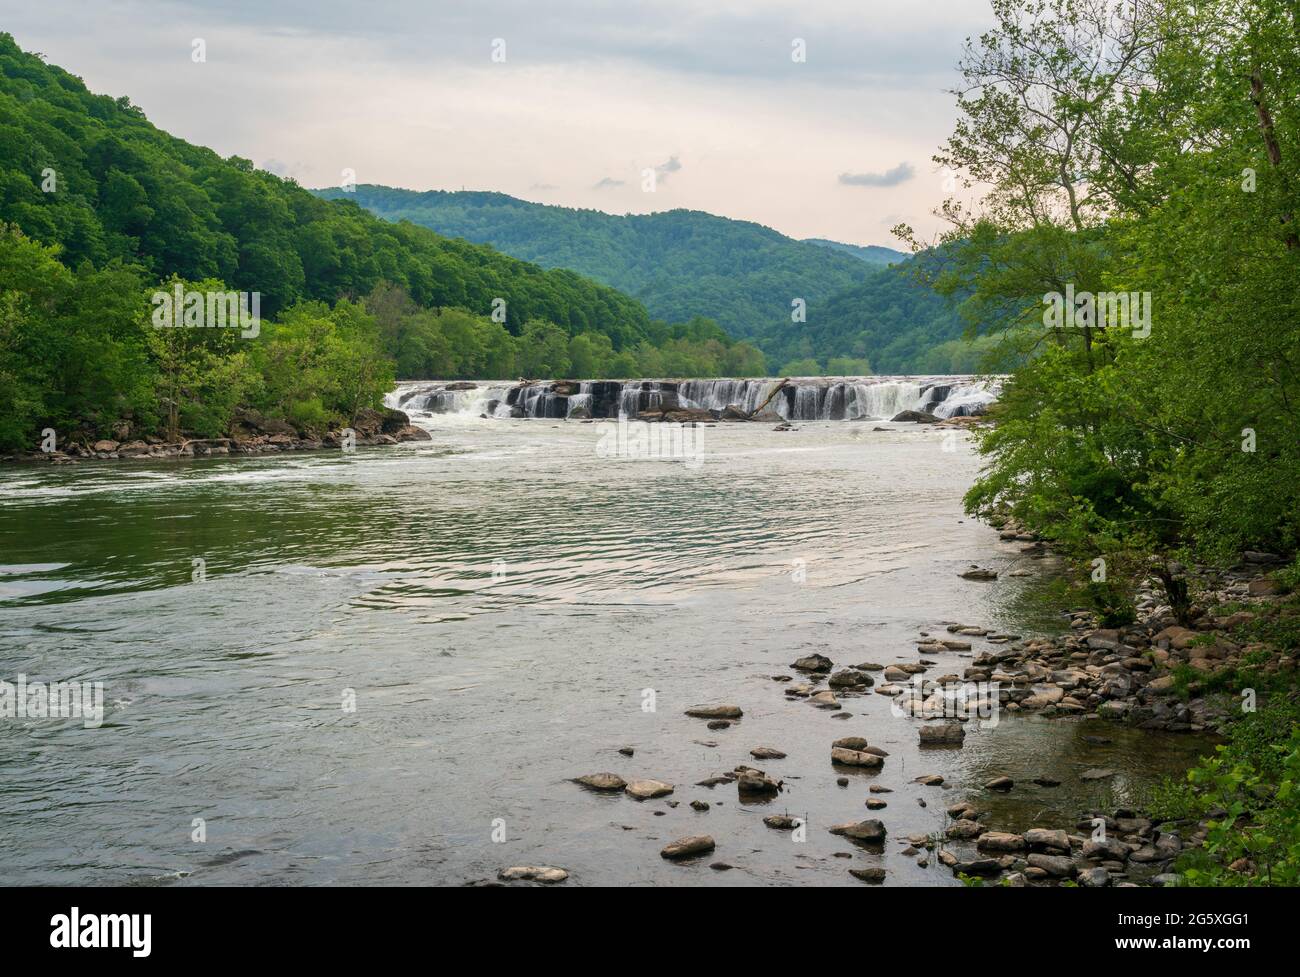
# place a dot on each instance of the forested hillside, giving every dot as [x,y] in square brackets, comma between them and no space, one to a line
[680,263]
[744,276]
[99,210]
[872,254]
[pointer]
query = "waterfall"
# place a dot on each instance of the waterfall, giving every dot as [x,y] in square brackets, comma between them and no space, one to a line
[803,399]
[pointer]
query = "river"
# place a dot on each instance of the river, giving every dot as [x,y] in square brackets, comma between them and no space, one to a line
[502,603]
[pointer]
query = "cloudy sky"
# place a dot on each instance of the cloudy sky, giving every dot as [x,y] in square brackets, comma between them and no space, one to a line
[561,102]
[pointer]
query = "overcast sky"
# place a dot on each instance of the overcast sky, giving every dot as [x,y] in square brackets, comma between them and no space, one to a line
[707,93]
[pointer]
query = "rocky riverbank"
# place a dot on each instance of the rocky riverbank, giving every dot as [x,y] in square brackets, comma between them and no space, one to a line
[251,434]
[1153,674]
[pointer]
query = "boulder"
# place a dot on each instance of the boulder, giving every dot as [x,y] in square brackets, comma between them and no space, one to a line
[848,678]
[601,781]
[1000,841]
[1047,840]
[915,417]
[947,734]
[1056,866]
[715,711]
[813,663]
[686,847]
[752,781]
[872,875]
[782,822]
[766,753]
[868,830]
[855,758]
[643,790]
[532,873]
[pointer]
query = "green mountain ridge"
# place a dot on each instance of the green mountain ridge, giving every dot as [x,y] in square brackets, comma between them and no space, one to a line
[860,301]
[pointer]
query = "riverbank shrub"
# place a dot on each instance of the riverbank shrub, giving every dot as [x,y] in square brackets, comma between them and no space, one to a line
[1248,792]
[1150,151]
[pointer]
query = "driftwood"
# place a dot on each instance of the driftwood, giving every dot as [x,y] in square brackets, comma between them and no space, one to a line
[763,406]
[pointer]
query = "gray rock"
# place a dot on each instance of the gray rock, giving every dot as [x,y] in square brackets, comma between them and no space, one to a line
[686,847]
[868,830]
[643,790]
[715,711]
[533,873]
[601,781]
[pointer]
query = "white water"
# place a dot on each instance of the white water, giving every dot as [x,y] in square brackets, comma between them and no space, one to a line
[808,399]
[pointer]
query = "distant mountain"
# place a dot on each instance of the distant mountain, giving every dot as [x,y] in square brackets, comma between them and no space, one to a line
[679,263]
[861,301]
[872,254]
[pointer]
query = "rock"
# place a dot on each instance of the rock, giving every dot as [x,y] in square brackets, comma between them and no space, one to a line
[601,781]
[929,780]
[825,700]
[699,806]
[868,830]
[105,446]
[875,805]
[855,758]
[965,829]
[1096,774]
[753,781]
[1057,866]
[1112,849]
[766,753]
[979,573]
[1175,637]
[686,847]
[848,678]
[980,866]
[851,743]
[813,663]
[873,875]
[719,724]
[1047,840]
[643,790]
[1000,841]
[948,734]
[1263,587]
[532,873]
[915,417]
[782,822]
[1094,878]
[716,711]
[626,750]
[1000,783]
[1046,782]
